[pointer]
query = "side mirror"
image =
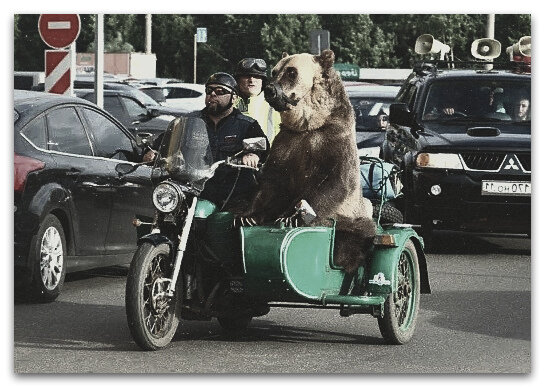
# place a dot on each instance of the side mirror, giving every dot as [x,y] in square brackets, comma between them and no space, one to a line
[153,112]
[254,144]
[142,138]
[400,114]
[123,169]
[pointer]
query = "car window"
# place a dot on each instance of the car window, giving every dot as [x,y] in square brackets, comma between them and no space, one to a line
[113,106]
[66,132]
[133,108]
[368,111]
[35,132]
[110,141]
[179,92]
[156,94]
[143,98]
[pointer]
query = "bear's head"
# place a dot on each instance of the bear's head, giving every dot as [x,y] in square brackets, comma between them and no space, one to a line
[305,89]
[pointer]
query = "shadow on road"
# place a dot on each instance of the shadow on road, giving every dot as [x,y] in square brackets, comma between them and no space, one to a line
[491,313]
[460,243]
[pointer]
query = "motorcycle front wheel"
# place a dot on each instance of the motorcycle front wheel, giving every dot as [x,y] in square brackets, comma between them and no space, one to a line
[151,315]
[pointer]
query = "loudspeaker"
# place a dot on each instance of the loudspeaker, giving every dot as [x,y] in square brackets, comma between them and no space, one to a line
[486,48]
[523,47]
[426,44]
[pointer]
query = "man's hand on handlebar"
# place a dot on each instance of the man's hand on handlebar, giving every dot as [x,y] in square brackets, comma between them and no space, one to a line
[250,160]
[149,156]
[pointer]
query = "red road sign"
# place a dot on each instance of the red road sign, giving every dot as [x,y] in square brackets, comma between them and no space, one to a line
[57,71]
[59,31]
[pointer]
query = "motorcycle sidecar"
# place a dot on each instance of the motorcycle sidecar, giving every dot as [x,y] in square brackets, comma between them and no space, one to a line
[294,267]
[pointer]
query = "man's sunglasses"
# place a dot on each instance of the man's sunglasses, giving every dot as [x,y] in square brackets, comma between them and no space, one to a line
[249,63]
[217,90]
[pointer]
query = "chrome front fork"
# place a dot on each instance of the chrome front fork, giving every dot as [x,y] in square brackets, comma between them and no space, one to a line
[182,246]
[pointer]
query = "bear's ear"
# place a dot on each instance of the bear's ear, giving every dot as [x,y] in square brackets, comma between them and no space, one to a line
[285,54]
[326,59]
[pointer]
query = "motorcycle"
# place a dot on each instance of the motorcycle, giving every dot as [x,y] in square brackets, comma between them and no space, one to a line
[197,264]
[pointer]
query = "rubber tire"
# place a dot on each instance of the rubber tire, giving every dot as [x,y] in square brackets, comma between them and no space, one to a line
[38,291]
[389,214]
[234,325]
[389,327]
[134,306]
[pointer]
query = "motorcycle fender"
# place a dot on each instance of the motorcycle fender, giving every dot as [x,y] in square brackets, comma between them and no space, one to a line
[384,261]
[156,239]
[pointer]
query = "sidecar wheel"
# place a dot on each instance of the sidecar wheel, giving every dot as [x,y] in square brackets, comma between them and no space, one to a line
[234,325]
[152,317]
[401,307]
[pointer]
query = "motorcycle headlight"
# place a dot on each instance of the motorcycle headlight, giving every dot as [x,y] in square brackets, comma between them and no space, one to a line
[166,197]
[439,160]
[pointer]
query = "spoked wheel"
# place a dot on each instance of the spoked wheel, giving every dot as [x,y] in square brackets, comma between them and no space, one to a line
[401,307]
[151,314]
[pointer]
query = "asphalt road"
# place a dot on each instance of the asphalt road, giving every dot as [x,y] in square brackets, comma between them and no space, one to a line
[477,320]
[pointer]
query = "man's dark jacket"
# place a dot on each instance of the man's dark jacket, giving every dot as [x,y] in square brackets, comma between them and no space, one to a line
[226,140]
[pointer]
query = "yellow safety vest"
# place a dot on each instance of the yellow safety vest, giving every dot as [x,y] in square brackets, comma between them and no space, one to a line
[257,108]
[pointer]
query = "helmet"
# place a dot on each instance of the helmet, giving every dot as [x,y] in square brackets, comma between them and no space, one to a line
[223,79]
[251,66]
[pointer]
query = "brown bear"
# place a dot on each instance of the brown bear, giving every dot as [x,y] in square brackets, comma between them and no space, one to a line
[314,156]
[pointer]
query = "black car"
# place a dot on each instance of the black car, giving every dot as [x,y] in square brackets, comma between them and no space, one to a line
[134,110]
[371,104]
[464,149]
[73,211]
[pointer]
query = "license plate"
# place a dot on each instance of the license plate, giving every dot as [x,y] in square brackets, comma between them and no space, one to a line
[506,188]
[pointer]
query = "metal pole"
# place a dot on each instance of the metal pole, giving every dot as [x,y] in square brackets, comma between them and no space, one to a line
[99,60]
[148,33]
[490,34]
[72,68]
[195,58]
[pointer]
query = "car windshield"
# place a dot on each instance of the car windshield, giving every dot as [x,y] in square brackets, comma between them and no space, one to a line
[470,100]
[370,112]
[185,152]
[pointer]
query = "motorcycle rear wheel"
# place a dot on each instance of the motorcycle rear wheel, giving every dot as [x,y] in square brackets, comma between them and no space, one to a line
[152,317]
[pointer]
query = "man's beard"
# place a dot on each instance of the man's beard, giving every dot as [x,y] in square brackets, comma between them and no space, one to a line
[217,108]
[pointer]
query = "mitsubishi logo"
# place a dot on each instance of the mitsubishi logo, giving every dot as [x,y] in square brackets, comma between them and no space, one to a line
[511,165]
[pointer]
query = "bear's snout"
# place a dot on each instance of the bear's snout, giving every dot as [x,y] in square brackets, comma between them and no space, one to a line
[275,96]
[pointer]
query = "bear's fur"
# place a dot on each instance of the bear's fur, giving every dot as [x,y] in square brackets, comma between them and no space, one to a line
[314,157]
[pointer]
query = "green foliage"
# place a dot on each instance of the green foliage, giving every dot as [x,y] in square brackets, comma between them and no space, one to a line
[385,41]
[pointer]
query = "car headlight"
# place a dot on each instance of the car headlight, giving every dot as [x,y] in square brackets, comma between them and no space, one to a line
[439,160]
[166,197]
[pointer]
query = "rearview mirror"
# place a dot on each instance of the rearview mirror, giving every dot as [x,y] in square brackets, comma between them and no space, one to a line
[400,114]
[142,138]
[254,144]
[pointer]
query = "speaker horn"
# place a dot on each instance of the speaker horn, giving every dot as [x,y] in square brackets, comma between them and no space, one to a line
[486,48]
[426,44]
[522,48]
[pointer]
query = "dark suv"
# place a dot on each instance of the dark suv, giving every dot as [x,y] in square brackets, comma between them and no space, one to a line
[462,140]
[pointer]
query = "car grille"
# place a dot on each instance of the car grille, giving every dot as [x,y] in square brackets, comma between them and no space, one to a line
[488,161]
[525,160]
[492,161]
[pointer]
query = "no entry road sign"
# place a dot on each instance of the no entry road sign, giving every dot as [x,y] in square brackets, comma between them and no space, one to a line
[59,31]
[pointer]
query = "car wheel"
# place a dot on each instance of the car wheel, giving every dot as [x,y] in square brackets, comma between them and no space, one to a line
[48,260]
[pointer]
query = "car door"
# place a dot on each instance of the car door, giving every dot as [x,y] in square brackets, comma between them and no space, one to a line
[84,176]
[132,192]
